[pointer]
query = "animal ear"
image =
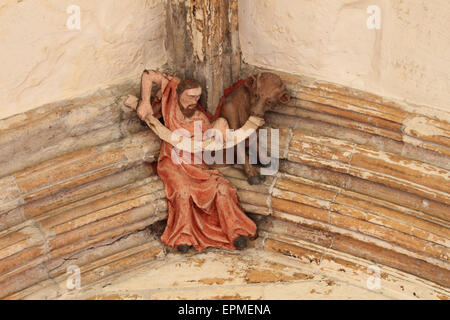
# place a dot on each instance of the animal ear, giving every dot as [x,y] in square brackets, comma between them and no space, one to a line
[285,98]
[250,82]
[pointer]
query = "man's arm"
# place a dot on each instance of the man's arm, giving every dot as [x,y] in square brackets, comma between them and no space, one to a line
[149,78]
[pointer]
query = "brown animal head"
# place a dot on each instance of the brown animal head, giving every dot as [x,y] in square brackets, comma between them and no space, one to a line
[266,90]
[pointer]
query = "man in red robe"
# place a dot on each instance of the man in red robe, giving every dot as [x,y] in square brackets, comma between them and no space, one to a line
[203,206]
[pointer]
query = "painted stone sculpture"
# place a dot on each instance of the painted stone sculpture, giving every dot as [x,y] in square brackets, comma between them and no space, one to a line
[203,207]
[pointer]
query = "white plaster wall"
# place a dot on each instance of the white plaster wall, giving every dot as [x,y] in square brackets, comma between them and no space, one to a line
[407,59]
[43,61]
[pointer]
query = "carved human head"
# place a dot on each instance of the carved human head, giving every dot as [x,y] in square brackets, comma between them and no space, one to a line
[189,93]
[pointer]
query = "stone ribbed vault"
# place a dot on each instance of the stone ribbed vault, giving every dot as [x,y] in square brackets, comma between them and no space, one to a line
[357,187]
[363,181]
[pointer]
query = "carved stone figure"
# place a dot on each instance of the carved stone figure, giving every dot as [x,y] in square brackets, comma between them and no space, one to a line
[253,97]
[203,207]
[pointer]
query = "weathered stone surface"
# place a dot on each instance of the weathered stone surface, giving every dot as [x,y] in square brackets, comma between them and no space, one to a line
[77,168]
[249,274]
[352,211]
[348,183]
[364,167]
[430,210]
[78,196]
[10,195]
[47,60]
[203,42]
[103,187]
[366,251]
[334,129]
[395,171]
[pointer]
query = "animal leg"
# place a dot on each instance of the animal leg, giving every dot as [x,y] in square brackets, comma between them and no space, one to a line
[264,159]
[253,177]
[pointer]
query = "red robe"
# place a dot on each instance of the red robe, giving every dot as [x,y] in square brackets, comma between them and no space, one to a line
[203,206]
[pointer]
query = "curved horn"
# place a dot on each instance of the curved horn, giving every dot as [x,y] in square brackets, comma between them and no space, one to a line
[192,146]
[187,144]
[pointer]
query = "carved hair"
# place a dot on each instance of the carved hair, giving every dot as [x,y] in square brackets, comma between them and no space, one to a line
[187,84]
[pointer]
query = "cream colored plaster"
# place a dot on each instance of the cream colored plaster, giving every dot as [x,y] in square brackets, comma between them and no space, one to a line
[43,61]
[407,59]
[249,274]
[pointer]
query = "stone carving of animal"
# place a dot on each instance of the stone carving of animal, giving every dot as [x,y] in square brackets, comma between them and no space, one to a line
[257,95]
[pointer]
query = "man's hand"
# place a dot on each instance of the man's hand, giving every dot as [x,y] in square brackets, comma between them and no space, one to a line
[144,109]
[259,122]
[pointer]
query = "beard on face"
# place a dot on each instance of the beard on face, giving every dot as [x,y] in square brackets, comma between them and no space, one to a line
[189,110]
